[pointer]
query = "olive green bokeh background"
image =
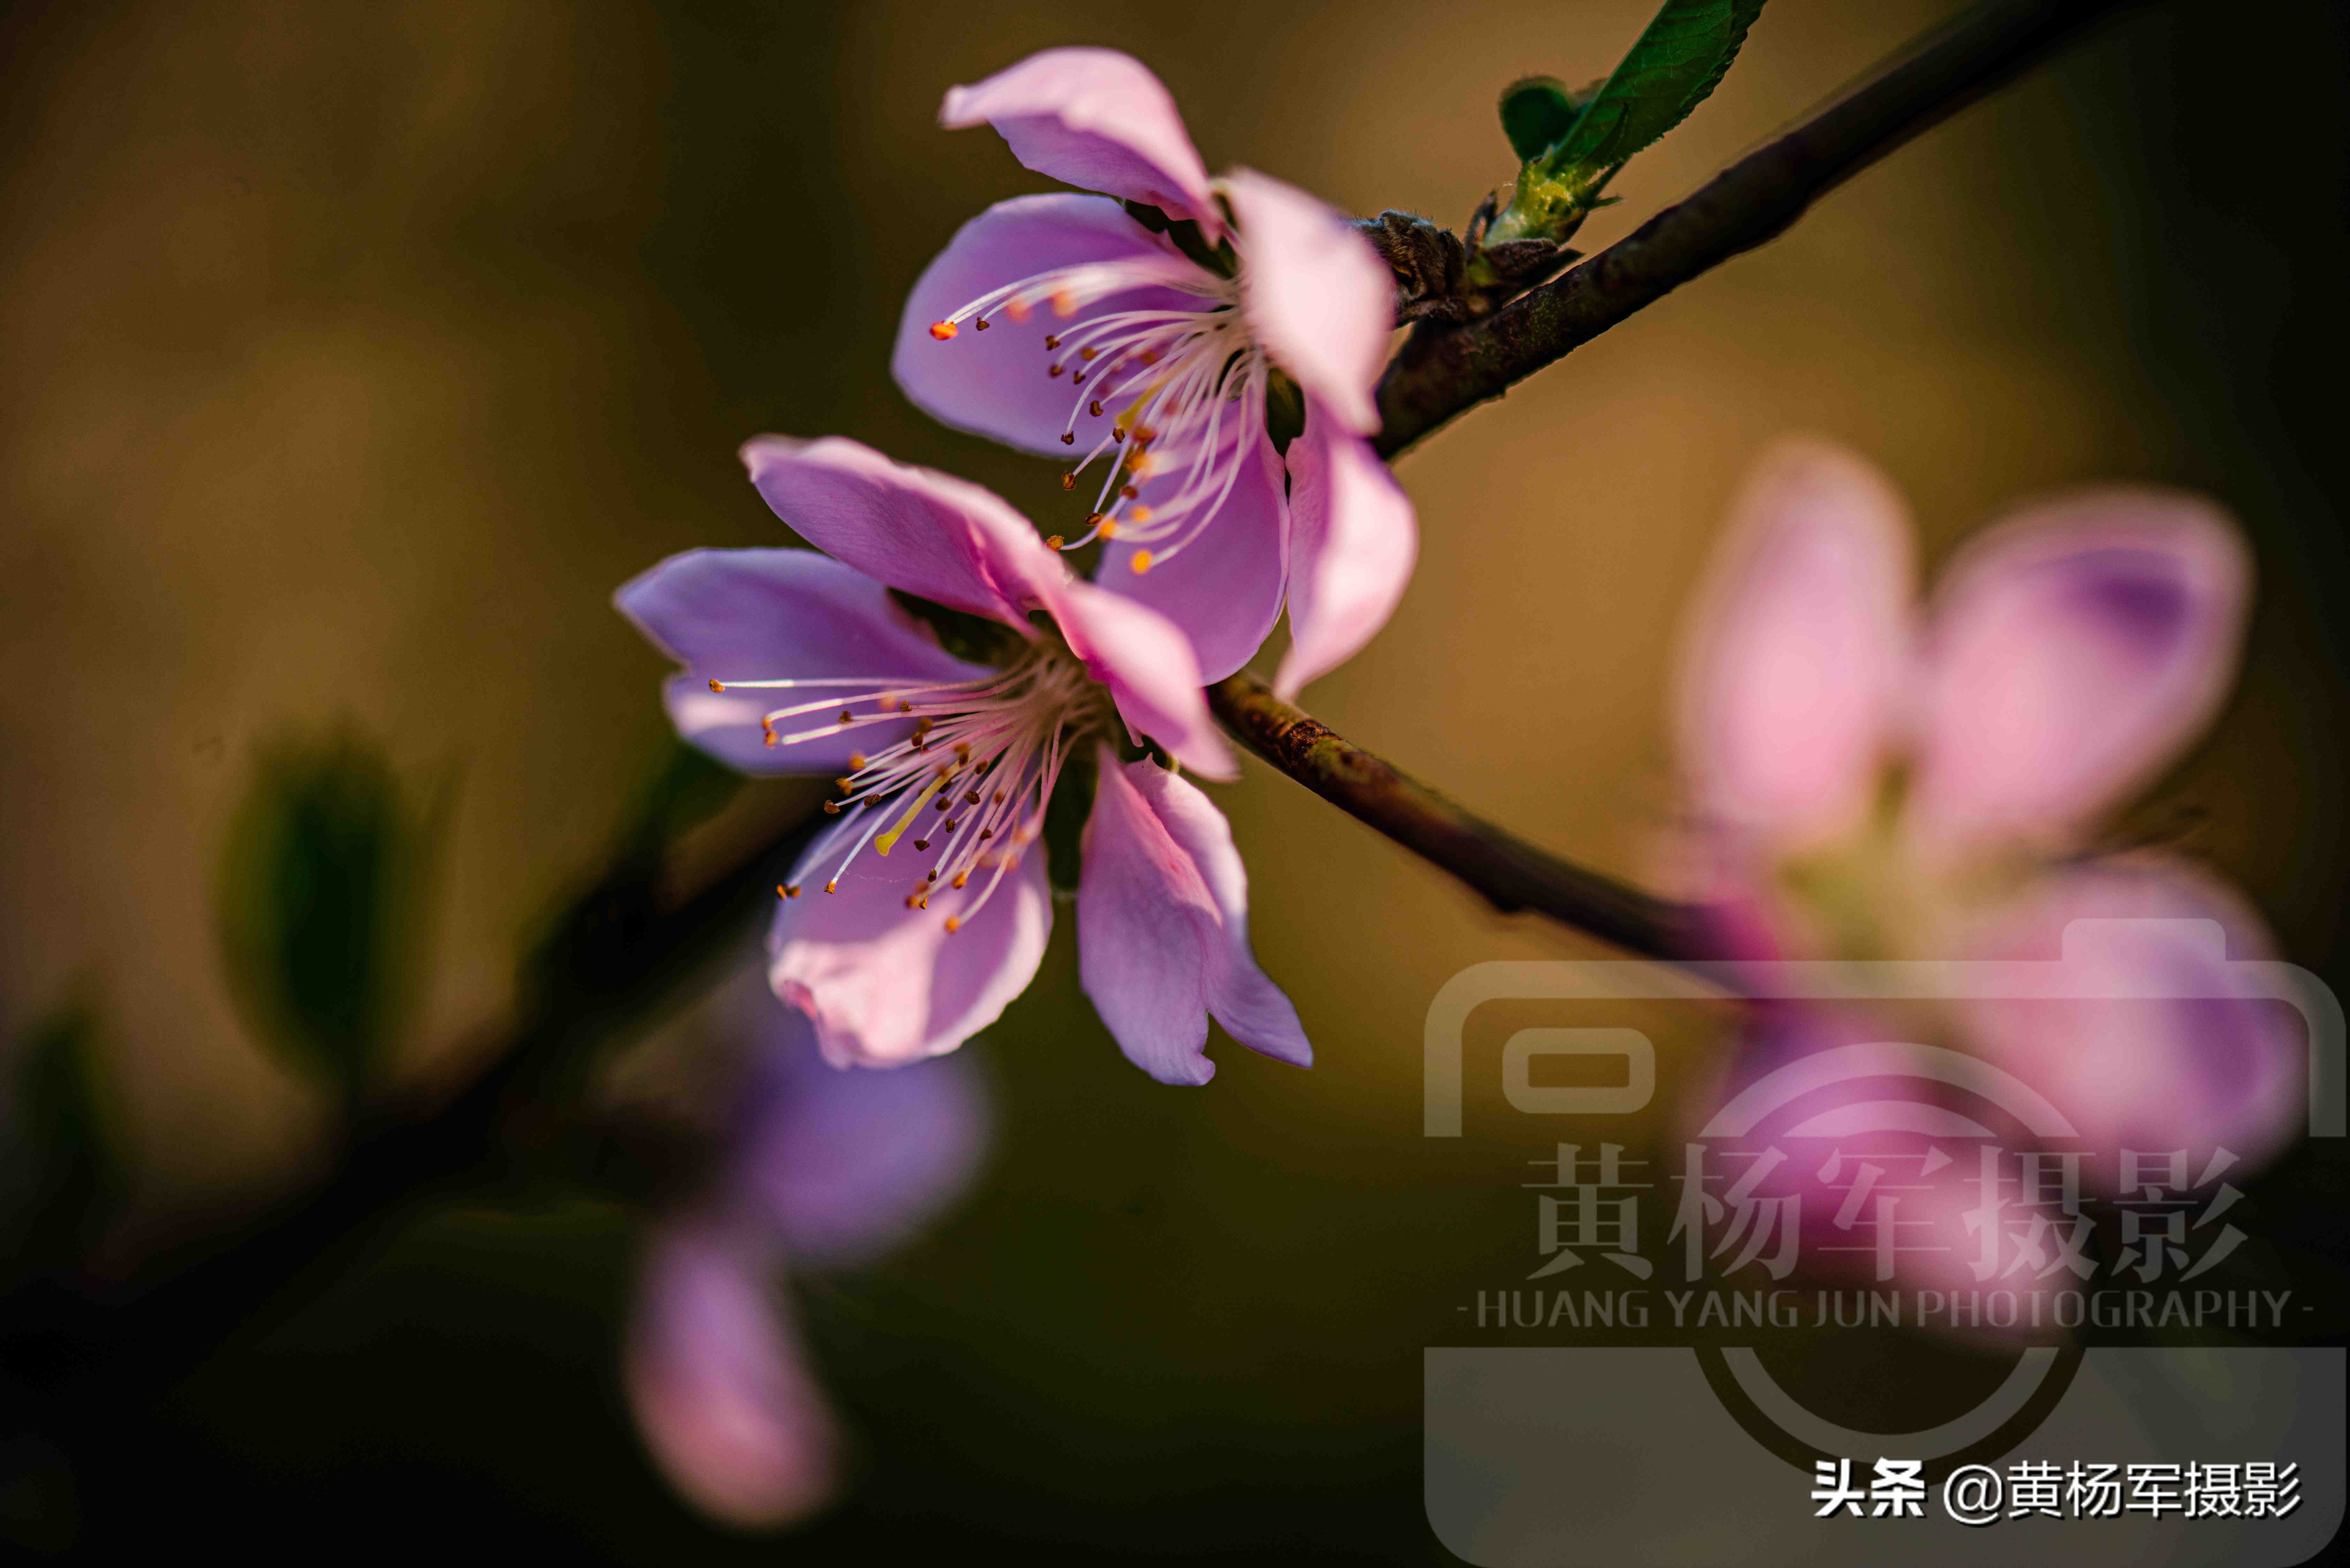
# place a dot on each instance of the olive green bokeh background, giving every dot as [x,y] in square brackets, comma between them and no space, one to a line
[353,354]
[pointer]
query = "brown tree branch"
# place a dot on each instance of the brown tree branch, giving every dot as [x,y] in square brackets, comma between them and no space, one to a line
[1511,874]
[1443,372]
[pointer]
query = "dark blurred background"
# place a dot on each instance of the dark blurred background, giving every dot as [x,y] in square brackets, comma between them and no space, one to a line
[350,357]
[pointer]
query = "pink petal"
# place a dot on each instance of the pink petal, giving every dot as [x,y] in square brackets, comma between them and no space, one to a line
[1797,651]
[1162,929]
[1355,539]
[888,985]
[719,1383]
[923,532]
[1138,954]
[2164,1057]
[1148,665]
[842,1167]
[1317,296]
[771,615]
[1252,1010]
[1097,119]
[995,383]
[1224,588]
[2071,652]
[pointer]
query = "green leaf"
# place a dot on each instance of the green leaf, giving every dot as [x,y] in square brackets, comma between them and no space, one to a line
[57,1081]
[320,887]
[1676,65]
[689,787]
[1536,114]
[65,1171]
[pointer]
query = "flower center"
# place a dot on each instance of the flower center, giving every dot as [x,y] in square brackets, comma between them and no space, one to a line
[970,784]
[1170,395]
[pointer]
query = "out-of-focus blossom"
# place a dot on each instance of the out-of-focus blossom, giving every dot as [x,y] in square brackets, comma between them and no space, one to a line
[1880,781]
[2198,1067]
[1063,325]
[800,663]
[822,1169]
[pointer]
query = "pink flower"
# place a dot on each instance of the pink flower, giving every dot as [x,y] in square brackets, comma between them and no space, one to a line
[822,1170]
[1061,324]
[1876,780]
[799,662]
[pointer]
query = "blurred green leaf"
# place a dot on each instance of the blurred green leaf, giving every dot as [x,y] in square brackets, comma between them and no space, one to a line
[319,905]
[688,788]
[57,1081]
[1677,62]
[65,1168]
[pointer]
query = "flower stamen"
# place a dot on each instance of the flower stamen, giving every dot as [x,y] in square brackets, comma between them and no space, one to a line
[1191,368]
[1017,725]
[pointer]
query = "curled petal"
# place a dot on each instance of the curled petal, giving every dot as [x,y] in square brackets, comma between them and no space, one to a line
[923,532]
[1354,539]
[2071,652]
[1225,587]
[1316,295]
[1095,118]
[887,984]
[840,1168]
[1147,663]
[2157,1050]
[765,615]
[1797,652]
[718,1381]
[998,382]
[1162,929]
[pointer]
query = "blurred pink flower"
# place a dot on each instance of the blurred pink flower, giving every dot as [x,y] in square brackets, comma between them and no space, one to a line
[1167,354]
[2188,1063]
[960,759]
[1876,780]
[824,1170]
